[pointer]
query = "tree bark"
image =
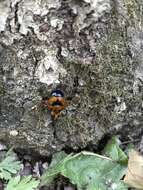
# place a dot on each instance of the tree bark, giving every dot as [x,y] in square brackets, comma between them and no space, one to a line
[92,50]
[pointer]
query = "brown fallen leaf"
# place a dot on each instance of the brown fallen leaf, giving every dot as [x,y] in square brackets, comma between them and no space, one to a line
[134,176]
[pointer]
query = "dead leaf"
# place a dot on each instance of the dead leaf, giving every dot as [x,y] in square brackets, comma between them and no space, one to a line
[134,176]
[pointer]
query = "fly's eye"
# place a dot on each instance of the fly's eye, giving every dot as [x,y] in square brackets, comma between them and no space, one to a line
[57,93]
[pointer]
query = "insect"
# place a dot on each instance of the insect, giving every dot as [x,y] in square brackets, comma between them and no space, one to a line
[56,103]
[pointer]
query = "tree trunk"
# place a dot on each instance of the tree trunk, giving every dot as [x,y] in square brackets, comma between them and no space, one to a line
[92,50]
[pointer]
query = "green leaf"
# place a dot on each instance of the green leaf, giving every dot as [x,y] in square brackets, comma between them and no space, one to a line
[58,157]
[25,183]
[54,168]
[92,171]
[119,186]
[113,151]
[9,166]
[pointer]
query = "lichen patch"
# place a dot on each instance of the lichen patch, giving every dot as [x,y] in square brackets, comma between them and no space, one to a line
[4,12]
[100,7]
[49,69]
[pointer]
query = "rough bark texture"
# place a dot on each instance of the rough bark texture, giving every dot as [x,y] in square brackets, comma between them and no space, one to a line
[90,49]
